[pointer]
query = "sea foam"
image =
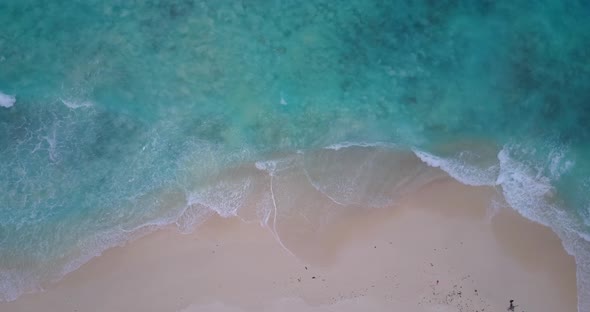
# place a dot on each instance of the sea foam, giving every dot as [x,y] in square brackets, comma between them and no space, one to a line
[76,104]
[348,144]
[6,100]
[460,170]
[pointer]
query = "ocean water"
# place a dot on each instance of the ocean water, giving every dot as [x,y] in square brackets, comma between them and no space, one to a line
[120,117]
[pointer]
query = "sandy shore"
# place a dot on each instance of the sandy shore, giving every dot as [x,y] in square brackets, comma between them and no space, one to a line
[439,250]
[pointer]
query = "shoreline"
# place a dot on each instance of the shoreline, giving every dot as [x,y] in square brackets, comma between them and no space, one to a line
[438,250]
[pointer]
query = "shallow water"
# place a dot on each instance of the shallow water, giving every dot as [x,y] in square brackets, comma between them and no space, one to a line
[119,117]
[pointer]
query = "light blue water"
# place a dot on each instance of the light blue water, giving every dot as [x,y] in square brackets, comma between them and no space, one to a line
[124,110]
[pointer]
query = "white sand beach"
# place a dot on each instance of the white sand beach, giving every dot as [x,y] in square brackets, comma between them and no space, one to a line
[441,249]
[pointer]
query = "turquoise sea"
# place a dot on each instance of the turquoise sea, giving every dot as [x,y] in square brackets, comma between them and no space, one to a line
[119,117]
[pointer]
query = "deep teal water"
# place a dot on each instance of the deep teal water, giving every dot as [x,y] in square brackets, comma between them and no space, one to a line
[123,110]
